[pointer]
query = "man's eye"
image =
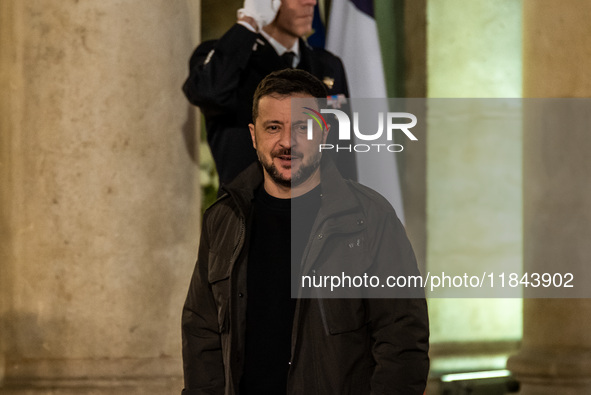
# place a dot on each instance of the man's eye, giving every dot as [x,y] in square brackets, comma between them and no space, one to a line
[272,128]
[301,129]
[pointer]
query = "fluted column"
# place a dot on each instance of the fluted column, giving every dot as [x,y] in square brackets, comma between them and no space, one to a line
[555,357]
[99,196]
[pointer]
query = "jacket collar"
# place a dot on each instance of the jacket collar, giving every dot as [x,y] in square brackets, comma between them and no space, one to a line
[272,60]
[241,189]
[337,196]
[278,47]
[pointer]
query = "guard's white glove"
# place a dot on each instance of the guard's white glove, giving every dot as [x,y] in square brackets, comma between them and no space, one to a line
[262,11]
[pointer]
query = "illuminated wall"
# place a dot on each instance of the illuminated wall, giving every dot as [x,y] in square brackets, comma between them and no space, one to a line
[474,179]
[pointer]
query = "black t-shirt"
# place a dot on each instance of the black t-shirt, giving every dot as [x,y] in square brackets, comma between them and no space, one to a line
[270,308]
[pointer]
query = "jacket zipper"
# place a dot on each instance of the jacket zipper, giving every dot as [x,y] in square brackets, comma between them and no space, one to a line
[323,316]
[233,259]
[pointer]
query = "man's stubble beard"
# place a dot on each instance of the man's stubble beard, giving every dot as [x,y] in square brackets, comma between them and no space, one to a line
[303,173]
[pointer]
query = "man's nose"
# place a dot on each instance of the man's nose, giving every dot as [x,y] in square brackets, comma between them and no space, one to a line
[285,137]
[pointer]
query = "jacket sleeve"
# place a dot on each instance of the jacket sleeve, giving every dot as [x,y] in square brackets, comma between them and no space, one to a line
[215,69]
[202,352]
[399,326]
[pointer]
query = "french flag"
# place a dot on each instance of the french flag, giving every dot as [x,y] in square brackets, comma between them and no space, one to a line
[353,36]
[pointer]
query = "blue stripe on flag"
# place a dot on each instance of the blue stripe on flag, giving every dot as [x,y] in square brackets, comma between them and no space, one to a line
[365,6]
[318,38]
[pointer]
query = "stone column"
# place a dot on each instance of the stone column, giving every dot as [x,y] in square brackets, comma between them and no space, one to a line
[555,357]
[99,196]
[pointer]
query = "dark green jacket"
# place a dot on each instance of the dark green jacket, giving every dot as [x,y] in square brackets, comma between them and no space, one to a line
[339,346]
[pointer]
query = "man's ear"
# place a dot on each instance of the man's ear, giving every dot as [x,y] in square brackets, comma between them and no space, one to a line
[325,133]
[254,140]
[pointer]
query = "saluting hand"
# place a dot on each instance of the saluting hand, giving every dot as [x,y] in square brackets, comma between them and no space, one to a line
[259,13]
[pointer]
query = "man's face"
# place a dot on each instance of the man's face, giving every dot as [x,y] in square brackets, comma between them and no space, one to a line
[295,17]
[280,139]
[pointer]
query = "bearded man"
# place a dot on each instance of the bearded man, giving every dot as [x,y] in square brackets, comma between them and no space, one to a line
[288,216]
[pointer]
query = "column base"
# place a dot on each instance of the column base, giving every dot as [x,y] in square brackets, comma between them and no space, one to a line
[552,372]
[93,377]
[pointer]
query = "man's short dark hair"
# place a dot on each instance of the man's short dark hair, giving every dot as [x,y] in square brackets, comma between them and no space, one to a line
[286,82]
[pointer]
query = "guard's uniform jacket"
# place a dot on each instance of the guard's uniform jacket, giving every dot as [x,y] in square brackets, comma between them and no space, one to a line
[223,75]
[339,346]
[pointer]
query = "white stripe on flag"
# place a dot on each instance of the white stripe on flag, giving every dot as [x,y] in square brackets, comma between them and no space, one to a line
[353,36]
